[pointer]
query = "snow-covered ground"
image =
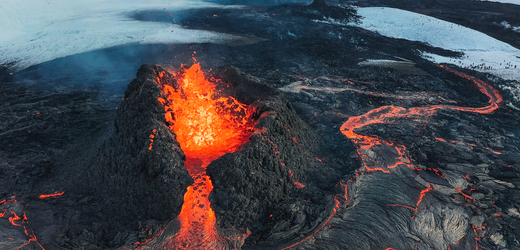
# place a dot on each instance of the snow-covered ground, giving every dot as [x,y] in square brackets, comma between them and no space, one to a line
[481,52]
[35,31]
[506,1]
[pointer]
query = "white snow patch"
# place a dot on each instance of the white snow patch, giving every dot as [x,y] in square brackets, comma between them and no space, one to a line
[35,31]
[506,25]
[481,52]
[506,1]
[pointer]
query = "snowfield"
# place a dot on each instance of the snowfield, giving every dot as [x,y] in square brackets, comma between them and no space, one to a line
[34,31]
[481,52]
[506,1]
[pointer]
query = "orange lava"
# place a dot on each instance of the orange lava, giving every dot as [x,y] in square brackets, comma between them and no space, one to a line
[463,194]
[43,196]
[388,114]
[14,219]
[297,184]
[368,146]
[207,126]
[336,207]
[345,195]
[423,193]
[18,221]
[421,197]
[469,144]
[477,235]
[204,123]
[152,136]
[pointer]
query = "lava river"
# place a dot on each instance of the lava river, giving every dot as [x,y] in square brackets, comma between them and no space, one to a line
[386,113]
[207,126]
[369,146]
[366,145]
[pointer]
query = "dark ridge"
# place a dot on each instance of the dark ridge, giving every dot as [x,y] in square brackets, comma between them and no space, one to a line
[133,182]
[5,76]
[275,183]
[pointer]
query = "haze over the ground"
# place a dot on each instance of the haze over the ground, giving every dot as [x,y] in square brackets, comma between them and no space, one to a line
[34,32]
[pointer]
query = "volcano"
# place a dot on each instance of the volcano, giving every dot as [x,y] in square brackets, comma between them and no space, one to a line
[258,168]
[322,126]
[231,127]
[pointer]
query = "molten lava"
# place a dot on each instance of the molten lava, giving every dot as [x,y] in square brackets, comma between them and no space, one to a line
[368,146]
[45,196]
[207,126]
[388,114]
[18,221]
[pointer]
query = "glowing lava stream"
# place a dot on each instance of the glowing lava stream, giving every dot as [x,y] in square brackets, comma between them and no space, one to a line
[366,145]
[207,127]
[18,221]
[385,113]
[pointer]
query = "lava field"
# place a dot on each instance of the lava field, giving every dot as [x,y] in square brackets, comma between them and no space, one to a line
[301,134]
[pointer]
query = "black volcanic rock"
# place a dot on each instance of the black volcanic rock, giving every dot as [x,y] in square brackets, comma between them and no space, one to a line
[318,4]
[133,182]
[321,10]
[260,183]
[40,153]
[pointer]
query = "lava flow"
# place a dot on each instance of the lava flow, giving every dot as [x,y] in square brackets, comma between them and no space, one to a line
[395,155]
[22,221]
[385,114]
[207,126]
[366,145]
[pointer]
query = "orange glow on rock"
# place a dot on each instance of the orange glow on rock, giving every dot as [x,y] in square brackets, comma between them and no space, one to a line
[423,193]
[207,126]
[345,195]
[421,197]
[388,114]
[463,194]
[43,196]
[18,221]
[367,146]
[469,144]
[336,207]
[299,185]
[152,136]
[14,219]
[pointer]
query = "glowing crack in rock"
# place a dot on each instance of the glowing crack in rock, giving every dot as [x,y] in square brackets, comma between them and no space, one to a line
[469,144]
[368,146]
[336,207]
[421,197]
[45,196]
[152,136]
[22,221]
[387,114]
